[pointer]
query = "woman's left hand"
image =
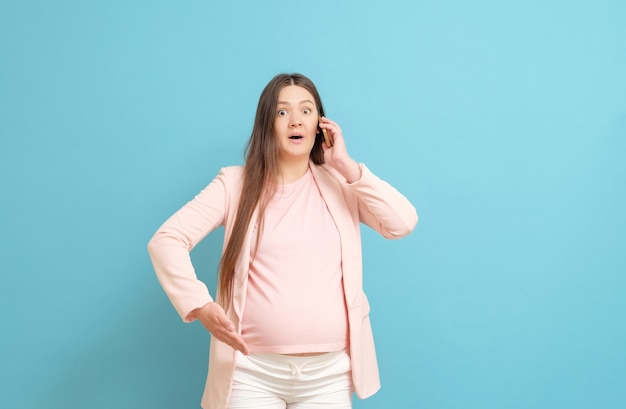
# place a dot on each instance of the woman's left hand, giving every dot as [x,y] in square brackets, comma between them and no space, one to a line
[337,155]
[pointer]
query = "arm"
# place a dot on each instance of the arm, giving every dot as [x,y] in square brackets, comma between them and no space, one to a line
[169,250]
[170,246]
[381,206]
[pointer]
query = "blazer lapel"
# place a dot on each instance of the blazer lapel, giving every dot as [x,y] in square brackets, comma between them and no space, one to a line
[339,207]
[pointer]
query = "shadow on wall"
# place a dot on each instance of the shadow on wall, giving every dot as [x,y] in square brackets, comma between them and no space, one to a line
[149,358]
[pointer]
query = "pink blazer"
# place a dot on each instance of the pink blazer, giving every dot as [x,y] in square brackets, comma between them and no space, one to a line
[369,200]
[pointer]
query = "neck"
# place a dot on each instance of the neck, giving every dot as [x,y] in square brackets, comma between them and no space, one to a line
[293,170]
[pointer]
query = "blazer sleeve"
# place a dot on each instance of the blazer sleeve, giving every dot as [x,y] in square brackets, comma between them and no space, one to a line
[382,207]
[170,246]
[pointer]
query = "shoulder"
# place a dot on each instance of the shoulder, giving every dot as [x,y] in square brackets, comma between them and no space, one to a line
[228,179]
[232,171]
[230,175]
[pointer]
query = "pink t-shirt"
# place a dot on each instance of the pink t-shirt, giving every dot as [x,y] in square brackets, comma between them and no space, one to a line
[295,301]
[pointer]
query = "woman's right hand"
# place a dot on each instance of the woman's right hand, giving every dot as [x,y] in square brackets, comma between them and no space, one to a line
[214,319]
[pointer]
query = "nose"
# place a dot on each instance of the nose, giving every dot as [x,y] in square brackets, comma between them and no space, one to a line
[295,120]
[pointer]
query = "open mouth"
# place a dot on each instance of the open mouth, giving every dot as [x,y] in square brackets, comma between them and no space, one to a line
[295,137]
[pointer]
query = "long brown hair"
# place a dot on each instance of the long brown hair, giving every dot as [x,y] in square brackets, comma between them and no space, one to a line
[261,172]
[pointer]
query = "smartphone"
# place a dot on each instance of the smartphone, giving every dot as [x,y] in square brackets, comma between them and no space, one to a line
[329,143]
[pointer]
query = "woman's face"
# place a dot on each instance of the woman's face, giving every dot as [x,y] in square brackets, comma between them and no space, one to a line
[295,123]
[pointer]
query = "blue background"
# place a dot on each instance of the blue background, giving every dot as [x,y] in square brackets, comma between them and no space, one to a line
[503,122]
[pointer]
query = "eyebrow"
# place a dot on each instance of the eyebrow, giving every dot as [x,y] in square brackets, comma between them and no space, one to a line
[300,103]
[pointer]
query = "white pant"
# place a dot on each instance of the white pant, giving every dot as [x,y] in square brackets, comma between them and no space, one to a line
[274,381]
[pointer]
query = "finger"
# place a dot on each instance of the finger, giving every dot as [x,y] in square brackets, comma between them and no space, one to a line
[225,322]
[329,123]
[224,330]
[241,346]
[333,130]
[230,336]
[235,341]
[325,119]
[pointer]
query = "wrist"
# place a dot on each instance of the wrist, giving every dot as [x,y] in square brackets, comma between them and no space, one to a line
[193,315]
[349,169]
